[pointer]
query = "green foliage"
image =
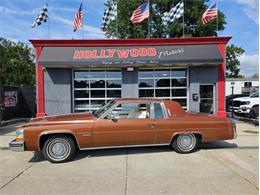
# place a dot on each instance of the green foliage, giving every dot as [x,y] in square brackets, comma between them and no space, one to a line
[233,53]
[193,27]
[16,64]
[122,27]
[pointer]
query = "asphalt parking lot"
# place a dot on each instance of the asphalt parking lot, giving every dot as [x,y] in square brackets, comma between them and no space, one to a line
[224,167]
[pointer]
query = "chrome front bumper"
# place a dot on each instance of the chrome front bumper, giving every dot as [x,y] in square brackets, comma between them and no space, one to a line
[16,145]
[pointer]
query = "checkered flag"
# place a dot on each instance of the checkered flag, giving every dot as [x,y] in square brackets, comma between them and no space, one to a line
[110,13]
[42,17]
[175,13]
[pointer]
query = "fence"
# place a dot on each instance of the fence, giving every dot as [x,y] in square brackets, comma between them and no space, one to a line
[17,102]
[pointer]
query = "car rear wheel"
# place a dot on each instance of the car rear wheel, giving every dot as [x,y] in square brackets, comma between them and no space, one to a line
[185,143]
[59,148]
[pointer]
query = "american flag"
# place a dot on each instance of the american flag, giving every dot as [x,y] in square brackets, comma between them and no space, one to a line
[140,14]
[210,14]
[78,19]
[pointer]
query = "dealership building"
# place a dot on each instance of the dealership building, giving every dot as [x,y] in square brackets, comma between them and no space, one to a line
[80,75]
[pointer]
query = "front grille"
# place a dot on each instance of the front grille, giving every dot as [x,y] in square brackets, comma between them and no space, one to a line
[236,103]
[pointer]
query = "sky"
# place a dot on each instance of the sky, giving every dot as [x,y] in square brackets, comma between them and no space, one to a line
[17,16]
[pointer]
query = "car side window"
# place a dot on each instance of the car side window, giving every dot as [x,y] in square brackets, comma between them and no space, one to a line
[130,110]
[158,111]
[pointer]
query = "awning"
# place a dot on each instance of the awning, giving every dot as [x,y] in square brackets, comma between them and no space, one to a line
[125,56]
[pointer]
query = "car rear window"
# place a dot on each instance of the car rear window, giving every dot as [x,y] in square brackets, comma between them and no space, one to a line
[158,112]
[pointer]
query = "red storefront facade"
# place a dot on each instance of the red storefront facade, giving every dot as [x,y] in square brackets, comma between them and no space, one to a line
[100,50]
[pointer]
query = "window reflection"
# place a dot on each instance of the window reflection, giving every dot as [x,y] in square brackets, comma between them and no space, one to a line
[81,84]
[165,83]
[97,94]
[162,82]
[113,93]
[178,73]
[162,92]
[97,74]
[146,83]
[81,94]
[81,104]
[179,82]
[97,84]
[179,92]
[145,73]
[114,74]
[146,93]
[162,73]
[114,83]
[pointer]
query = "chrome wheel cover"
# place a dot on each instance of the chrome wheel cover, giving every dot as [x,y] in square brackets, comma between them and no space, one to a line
[186,142]
[58,149]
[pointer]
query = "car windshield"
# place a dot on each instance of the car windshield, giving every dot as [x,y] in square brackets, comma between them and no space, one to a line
[256,94]
[103,109]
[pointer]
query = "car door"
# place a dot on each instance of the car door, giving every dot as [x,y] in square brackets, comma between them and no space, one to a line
[127,129]
[163,125]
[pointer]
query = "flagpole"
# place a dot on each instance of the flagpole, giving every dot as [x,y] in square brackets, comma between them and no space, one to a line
[116,19]
[217,17]
[48,20]
[83,21]
[183,19]
[149,20]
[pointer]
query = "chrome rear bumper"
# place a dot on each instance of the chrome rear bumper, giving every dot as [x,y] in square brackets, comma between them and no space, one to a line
[16,145]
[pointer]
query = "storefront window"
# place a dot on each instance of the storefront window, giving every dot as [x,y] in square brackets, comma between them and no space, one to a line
[92,88]
[164,83]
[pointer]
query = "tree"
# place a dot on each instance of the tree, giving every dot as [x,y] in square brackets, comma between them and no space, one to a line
[121,27]
[233,53]
[193,27]
[16,64]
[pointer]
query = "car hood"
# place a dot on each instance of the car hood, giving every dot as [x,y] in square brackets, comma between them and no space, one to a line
[59,119]
[241,99]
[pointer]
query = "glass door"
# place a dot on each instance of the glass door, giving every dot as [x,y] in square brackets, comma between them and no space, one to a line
[207,98]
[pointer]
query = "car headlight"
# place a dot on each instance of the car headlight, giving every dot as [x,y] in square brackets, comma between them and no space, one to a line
[19,134]
[245,103]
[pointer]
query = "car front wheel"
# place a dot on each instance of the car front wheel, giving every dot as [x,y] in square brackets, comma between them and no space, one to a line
[185,143]
[59,148]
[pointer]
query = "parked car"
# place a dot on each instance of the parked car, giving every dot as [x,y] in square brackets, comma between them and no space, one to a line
[247,106]
[122,123]
[229,100]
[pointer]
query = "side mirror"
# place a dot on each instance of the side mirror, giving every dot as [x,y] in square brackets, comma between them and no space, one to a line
[114,118]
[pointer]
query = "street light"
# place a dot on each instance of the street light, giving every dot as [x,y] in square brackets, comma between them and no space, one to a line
[232,96]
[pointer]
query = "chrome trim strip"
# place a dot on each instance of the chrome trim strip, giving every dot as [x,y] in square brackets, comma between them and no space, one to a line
[84,134]
[124,146]
[157,130]
[62,132]
[164,110]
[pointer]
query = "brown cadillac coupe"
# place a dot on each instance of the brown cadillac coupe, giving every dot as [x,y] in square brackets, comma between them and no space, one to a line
[122,123]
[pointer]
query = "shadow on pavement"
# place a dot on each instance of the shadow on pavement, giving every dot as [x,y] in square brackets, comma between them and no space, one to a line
[217,145]
[37,157]
[142,150]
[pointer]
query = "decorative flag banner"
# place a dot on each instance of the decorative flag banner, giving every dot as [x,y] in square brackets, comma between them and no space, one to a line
[210,14]
[175,13]
[110,13]
[78,19]
[140,14]
[42,17]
